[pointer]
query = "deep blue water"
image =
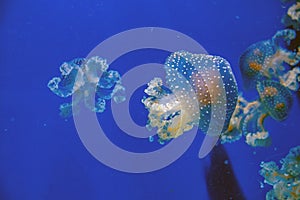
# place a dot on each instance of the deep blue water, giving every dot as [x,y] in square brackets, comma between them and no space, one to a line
[41,154]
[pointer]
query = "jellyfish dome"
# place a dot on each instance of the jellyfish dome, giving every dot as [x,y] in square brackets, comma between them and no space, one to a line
[276,99]
[265,60]
[200,91]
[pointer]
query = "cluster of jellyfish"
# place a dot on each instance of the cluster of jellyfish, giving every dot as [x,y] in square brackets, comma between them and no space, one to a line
[198,86]
[267,66]
[285,180]
[201,90]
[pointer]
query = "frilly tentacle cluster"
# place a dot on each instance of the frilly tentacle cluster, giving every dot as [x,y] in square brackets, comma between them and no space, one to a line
[165,111]
[292,18]
[291,79]
[285,180]
[247,120]
[83,76]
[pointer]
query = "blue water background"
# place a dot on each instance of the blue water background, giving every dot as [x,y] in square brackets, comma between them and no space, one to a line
[41,154]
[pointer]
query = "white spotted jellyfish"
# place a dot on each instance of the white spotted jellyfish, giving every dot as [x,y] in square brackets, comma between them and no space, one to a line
[198,88]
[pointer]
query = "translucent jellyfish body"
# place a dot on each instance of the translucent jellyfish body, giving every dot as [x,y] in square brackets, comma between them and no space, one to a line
[200,91]
[266,59]
[79,76]
[248,118]
[285,180]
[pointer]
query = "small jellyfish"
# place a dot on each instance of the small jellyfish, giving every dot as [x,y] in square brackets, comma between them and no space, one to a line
[266,59]
[285,180]
[200,91]
[83,76]
[248,118]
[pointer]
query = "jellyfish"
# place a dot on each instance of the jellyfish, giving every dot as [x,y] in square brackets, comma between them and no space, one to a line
[81,76]
[200,90]
[275,100]
[266,59]
[285,180]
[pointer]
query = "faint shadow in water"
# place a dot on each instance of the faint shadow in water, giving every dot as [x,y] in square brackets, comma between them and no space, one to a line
[220,179]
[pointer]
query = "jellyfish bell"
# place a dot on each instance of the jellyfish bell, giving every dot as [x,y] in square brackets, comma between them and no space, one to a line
[212,84]
[265,60]
[253,62]
[276,99]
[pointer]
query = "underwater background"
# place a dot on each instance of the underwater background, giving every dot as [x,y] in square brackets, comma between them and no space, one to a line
[41,154]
